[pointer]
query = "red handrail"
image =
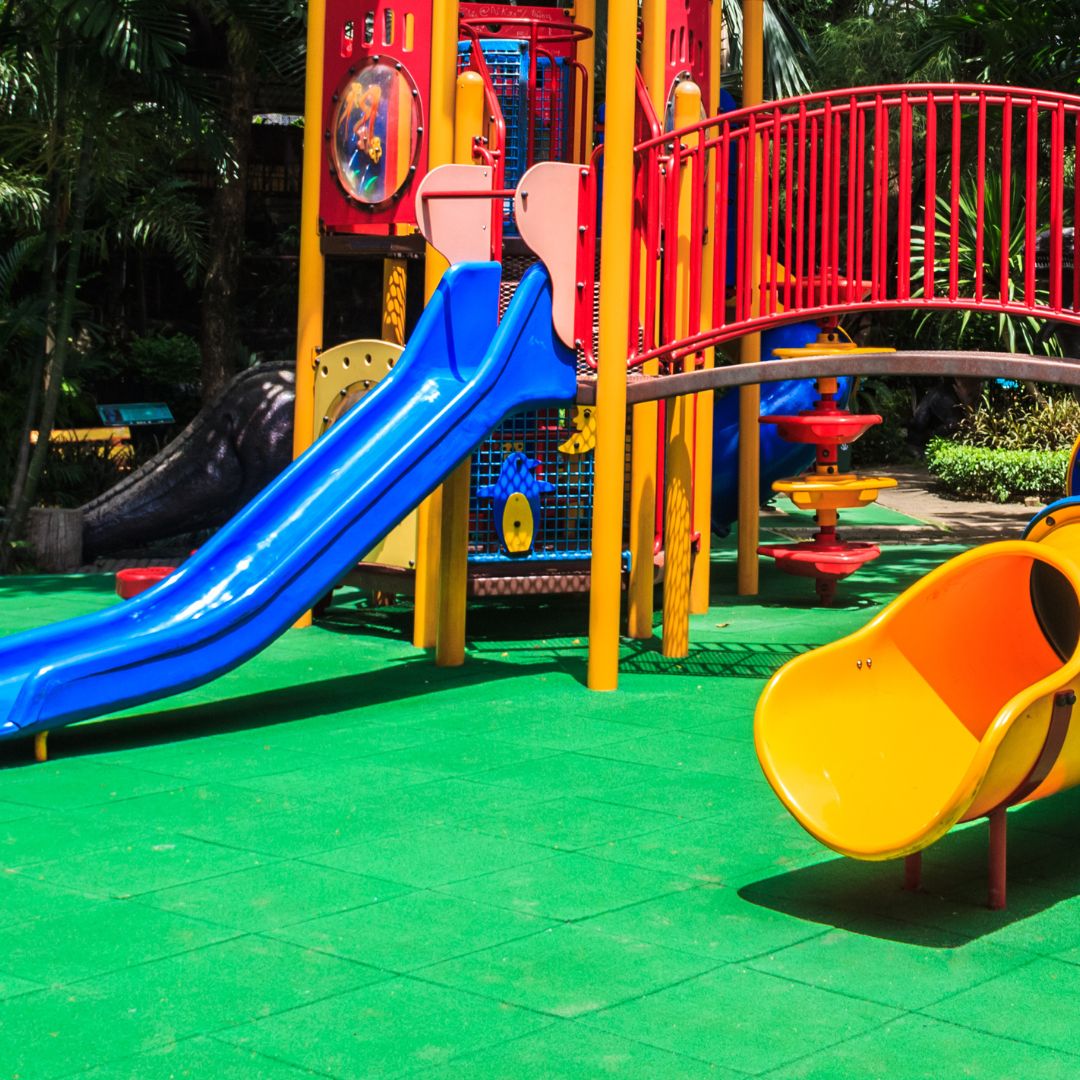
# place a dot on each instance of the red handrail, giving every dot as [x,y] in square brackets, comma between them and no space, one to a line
[879,197]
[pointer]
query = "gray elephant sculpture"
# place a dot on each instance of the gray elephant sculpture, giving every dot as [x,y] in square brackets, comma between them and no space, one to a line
[219,462]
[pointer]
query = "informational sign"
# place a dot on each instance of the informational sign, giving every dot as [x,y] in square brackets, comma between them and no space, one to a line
[136,414]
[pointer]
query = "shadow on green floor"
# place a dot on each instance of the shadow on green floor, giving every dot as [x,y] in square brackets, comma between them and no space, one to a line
[950,908]
[398,681]
[519,618]
[716,659]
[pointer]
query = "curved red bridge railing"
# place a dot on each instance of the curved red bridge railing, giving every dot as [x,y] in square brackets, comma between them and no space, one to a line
[909,196]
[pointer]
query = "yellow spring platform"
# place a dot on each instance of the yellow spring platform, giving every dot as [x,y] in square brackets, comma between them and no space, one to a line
[818,491]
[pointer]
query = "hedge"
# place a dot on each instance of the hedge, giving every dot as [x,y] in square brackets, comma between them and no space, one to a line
[978,472]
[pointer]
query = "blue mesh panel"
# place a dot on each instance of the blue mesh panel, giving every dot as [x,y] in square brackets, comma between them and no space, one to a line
[564,529]
[508,64]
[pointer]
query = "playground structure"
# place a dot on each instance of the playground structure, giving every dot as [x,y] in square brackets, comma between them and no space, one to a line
[729,226]
[756,218]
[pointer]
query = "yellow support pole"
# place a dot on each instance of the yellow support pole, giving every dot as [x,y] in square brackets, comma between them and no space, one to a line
[440,135]
[750,347]
[606,592]
[309,327]
[703,429]
[643,437]
[395,284]
[585,15]
[454,548]
[678,457]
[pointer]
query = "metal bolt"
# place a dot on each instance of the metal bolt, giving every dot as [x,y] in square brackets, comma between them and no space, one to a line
[1050,521]
[869,662]
[858,664]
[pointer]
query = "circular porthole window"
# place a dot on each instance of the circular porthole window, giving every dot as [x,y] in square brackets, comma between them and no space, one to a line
[375,138]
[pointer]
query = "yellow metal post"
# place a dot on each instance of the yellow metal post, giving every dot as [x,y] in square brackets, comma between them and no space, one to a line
[395,284]
[440,135]
[454,549]
[585,15]
[750,346]
[606,593]
[678,457]
[309,329]
[703,429]
[643,479]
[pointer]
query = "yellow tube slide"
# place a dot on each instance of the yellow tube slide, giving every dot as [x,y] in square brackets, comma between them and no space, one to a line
[937,711]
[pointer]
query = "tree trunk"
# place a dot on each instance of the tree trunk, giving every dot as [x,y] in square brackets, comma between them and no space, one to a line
[61,348]
[55,538]
[37,380]
[220,330]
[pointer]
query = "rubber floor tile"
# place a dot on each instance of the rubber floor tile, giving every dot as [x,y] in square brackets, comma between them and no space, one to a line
[741,1019]
[685,752]
[684,795]
[891,972]
[11,986]
[272,896]
[572,774]
[220,759]
[709,921]
[571,823]
[1051,930]
[156,862]
[61,1030]
[569,732]
[193,806]
[708,850]
[45,837]
[99,938]
[71,783]
[198,1059]
[352,740]
[302,830]
[1034,1004]
[362,779]
[569,1051]
[434,856]
[24,900]
[568,971]
[918,1048]
[451,802]
[460,756]
[385,1030]
[567,886]
[413,931]
[13,811]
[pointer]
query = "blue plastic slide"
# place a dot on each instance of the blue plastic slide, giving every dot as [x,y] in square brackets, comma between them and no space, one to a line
[459,376]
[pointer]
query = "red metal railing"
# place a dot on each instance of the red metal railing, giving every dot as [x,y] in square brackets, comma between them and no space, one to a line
[545,40]
[910,196]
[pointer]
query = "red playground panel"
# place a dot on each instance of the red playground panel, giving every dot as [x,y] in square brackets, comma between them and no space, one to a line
[375,93]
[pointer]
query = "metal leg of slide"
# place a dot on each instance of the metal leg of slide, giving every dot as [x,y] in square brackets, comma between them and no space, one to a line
[913,872]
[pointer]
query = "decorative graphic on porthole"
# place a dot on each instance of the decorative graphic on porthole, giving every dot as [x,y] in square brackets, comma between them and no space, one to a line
[376,135]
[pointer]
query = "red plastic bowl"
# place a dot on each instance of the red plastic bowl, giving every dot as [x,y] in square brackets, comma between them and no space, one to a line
[138,579]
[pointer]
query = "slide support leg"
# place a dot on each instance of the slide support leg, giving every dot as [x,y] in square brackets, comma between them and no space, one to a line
[997,859]
[41,746]
[913,872]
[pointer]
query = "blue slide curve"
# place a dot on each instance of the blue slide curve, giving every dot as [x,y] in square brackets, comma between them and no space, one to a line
[460,375]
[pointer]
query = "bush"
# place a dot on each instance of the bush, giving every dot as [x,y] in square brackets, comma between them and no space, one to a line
[980,472]
[1022,422]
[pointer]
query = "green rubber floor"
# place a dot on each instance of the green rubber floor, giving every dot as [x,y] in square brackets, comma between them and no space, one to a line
[342,862]
[873,514]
